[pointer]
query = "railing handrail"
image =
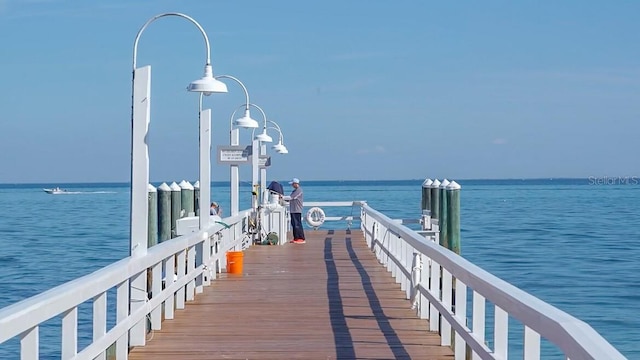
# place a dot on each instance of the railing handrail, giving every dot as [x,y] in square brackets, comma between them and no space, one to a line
[573,336]
[23,315]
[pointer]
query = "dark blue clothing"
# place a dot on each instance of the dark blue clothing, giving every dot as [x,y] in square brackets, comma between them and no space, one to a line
[296,225]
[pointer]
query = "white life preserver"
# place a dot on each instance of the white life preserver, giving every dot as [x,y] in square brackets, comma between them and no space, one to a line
[315,217]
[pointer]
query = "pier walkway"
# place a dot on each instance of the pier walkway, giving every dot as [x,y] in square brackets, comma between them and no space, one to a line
[326,299]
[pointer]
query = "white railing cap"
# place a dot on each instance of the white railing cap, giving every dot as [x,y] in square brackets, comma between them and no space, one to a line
[164,187]
[427,183]
[435,183]
[175,187]
[444,183]
[151,188]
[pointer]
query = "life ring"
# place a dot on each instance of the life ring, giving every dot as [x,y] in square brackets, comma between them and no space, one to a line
[315,217]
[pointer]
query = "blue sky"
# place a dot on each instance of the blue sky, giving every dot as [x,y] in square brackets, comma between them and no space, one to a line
[361,89]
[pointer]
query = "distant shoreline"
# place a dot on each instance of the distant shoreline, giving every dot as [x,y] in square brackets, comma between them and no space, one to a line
[600,180]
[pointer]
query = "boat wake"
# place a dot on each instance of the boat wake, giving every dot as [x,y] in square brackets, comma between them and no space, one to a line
[58,191]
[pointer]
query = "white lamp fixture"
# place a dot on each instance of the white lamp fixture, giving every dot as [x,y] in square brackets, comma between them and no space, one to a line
[279,147]
[246,121]
[207,84]
[264,137]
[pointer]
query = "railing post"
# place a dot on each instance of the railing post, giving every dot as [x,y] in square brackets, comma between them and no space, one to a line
[164,212]
[453,216]
[153,216]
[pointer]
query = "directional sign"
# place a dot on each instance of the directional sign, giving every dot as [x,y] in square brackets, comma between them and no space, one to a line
[234,155]
[264,161]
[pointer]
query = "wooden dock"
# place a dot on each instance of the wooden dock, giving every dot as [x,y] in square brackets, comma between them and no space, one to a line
[326,299]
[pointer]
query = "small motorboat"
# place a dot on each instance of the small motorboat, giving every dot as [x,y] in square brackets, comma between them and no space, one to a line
[55,191]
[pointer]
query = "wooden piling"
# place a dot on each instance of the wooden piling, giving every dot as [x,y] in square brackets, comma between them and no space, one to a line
[153,217]
[164,212]
[196,197]
[442,222]
[426,195]
[176,206]
[435,199]
[186,197]
[453,221]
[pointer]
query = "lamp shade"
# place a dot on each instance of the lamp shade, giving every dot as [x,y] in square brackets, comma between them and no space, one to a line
[283,150]
[246,121]
[207,84]
[264,137]
[278,147]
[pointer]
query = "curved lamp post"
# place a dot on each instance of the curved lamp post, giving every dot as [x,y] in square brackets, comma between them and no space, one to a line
[140,118]
[279,147]
[244,122]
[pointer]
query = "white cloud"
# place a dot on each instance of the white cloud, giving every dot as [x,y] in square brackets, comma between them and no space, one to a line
[499,141]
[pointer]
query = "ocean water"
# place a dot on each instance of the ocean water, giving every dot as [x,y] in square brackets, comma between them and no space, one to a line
[574,243]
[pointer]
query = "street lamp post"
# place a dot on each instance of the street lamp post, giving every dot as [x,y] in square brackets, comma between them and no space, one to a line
[280,148]
[244,122]
[256,151]
[140,119]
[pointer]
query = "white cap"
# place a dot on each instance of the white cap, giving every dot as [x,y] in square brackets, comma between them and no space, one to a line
[294,181]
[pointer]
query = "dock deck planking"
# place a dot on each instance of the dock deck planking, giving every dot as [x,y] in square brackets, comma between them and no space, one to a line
[326,299]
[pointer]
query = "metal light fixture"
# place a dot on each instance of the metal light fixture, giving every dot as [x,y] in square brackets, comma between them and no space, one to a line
[246,121]
[264,137]
[207,84]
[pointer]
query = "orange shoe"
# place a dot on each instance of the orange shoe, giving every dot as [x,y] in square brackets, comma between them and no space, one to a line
[299,241]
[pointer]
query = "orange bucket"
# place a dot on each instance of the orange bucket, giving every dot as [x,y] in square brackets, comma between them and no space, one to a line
[234,262]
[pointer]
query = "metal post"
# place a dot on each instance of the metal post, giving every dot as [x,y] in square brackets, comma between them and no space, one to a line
[263,176]
[255,158]
[138,236]
[235,176]
[203,249]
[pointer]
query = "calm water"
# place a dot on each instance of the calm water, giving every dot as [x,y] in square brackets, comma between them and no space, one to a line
[572,243]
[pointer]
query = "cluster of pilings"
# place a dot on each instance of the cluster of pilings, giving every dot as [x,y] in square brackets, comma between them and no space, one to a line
[167,204]
[441,211]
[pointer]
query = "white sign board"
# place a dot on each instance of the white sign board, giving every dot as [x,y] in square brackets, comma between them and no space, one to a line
[264,161]
[234,155]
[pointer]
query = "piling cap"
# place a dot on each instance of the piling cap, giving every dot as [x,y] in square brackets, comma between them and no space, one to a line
[444,183]
[196,185]
[151,188]
[175,187]
[185,185]
[427,183]
[164,187]
[435,183]
[453,186]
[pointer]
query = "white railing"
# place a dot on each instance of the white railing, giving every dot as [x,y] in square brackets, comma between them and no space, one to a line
[420,266]
[437,280]
[165,293]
